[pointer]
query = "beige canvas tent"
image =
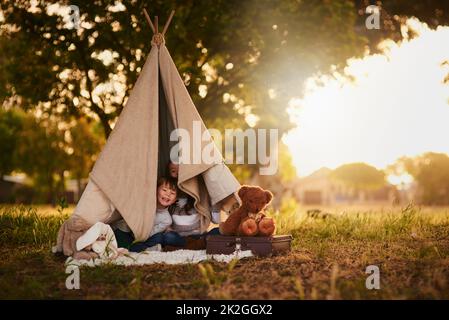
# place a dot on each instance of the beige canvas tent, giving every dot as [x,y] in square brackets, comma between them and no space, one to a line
[123,180]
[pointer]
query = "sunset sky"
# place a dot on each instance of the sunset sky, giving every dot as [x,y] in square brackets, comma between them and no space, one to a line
[398,105]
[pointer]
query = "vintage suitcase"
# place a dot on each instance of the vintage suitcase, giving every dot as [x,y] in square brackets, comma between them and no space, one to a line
[260,246]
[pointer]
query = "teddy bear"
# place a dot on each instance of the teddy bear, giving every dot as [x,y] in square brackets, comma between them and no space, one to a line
[249,219]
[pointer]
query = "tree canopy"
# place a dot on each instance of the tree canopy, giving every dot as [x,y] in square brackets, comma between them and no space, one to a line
[431,172]
[242,62]
[47,154]
[10,126]
[359,176]
[236,57]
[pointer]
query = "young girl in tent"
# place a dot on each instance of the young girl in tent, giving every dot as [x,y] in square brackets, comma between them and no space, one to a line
[186,220]
[166,194]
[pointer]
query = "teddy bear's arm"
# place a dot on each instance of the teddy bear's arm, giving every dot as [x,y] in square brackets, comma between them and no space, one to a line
[231,225]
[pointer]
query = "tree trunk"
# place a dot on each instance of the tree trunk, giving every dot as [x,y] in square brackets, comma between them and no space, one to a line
[61,182]
[78,186]
[50,193]
[104,119]
[105,124]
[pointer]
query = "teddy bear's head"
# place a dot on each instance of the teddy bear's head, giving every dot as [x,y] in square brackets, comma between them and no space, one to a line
[254,198]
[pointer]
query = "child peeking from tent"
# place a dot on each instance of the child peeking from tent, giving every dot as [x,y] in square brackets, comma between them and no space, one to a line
[186,228]
[166,195]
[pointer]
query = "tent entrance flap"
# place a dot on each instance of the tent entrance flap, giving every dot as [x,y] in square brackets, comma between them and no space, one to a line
[166,126]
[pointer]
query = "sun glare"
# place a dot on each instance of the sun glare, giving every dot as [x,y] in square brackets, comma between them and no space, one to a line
[397,105]
[400,181]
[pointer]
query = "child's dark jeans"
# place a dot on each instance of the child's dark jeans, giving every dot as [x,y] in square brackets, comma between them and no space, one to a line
[173,238]
[211,232]
[126,240]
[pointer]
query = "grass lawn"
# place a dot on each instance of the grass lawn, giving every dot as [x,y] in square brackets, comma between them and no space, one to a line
[328,260]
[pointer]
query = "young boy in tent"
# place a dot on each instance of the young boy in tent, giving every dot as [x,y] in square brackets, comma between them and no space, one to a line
[166,195]
[186,220]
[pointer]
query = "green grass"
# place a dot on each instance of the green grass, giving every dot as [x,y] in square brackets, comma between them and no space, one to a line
[23,225]
[330,253]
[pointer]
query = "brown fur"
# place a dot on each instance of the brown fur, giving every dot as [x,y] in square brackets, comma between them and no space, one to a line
[254,200]
[68,234]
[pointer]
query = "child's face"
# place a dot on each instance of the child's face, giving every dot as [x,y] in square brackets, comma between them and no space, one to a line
[173,170]
[166,196]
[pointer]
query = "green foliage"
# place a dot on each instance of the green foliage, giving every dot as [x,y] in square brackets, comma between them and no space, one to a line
[287,170]
[62,205]
[45,151]
[287,218]
[394,12]
[359,176]
[271,45]
[24,225]
[85,145]
[10,125]
[268,46]
[431,172]
[42,155]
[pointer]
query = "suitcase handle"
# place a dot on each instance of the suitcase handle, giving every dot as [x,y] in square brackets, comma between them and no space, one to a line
[237,241]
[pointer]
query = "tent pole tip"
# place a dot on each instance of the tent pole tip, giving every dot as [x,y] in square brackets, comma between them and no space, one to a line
[147,16]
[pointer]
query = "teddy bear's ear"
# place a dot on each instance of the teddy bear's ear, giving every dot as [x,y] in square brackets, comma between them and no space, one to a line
[269,196]
[242,191]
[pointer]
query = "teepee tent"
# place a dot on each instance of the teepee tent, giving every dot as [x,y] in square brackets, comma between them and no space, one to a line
[123,180]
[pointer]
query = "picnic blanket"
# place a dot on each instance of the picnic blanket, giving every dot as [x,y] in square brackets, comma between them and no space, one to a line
[152,257]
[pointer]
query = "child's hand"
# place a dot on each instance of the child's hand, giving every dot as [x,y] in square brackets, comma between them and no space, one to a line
[168,230]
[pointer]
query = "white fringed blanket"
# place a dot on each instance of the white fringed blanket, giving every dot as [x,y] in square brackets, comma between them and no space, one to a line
[151,257]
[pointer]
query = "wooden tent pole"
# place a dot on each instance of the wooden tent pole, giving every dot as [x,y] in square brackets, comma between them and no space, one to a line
[156,24]
[149,20]
[168,22]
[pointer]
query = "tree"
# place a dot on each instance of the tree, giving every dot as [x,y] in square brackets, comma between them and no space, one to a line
[431,172]
[47,152]
[10,125]
[359,176]
[393,14]
[236,57]
[42,155]
[84,147]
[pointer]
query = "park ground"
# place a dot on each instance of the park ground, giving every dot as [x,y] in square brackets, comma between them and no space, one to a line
[330,253]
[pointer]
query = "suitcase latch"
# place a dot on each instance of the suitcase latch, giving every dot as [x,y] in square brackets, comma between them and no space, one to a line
[238,244]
